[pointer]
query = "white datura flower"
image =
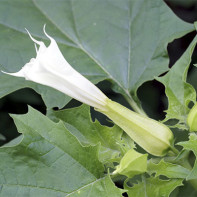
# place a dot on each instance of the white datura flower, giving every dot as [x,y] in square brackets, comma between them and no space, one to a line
[51,69]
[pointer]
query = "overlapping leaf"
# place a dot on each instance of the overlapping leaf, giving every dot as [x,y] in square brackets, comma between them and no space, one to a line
[154,187]
[51,162]
[113,143]
[167,169]
[178,91]
[124,41]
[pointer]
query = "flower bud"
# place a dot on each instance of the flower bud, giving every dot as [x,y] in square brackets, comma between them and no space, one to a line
[132,163]
[192,118]
[151,135]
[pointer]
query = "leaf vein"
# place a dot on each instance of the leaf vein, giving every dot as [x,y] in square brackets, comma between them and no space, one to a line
[91,183]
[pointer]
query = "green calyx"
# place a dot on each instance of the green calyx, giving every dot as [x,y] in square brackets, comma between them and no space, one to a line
[132,163]
[151,135]
[192,118]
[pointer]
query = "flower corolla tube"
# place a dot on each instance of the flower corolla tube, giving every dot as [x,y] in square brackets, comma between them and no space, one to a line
[51,69]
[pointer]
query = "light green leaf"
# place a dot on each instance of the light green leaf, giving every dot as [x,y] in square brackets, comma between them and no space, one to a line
[123,41]
[178,91]
[14,142]
[167,169]
[153,187]
[113,143]
[191,145]
[50,162]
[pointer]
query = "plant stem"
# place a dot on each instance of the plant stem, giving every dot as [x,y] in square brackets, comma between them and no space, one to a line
[134,105]
[174,150]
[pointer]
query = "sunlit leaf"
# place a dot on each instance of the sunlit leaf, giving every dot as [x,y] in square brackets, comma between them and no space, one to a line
[50,162]
[154,187]
[113,143]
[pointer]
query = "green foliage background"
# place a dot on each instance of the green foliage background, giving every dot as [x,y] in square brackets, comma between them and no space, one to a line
[120,46]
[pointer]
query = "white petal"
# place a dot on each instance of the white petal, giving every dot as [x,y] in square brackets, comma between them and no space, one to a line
[50,68]
[17,74]
[42,46]
[36,41]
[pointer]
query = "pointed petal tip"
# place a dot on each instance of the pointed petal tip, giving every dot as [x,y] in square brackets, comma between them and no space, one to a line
[36,41]
[36,47]
[44,27]
[17,74]
[47,35]
[4,72]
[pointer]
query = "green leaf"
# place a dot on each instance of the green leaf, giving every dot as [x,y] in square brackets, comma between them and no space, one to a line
[14,142]
[113,143]
[2,138]
[50,162]
[167,169]
[191,145]
[153,187]
[178,91]
[186,191]
[123,41]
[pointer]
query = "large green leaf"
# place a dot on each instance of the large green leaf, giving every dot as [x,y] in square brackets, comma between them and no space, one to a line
[156,187]
[51,162]
[124,41]
[178,91]
[113,143]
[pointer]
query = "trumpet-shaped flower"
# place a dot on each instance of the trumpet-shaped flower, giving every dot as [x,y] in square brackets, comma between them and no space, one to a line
[51,69]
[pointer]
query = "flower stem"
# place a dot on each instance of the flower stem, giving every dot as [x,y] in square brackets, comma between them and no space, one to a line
[134,105]
[174,150]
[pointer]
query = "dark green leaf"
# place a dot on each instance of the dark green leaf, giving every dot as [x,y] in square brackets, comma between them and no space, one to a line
[124,41]
[186,191]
